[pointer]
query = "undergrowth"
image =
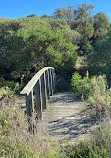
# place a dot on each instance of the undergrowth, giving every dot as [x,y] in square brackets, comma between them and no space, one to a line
[14,86]
[15,139]
[17,142]
[94,90]
[99,145]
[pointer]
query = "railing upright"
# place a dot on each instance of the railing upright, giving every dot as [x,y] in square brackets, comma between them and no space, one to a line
[30,110]
[47,85]
[38,96]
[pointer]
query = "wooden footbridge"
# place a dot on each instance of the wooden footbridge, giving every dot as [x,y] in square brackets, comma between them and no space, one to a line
[41,86]
[66,118]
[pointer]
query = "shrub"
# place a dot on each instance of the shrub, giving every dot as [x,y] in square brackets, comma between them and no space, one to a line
[13,86]
[101,97]
[81,86]
[94,89]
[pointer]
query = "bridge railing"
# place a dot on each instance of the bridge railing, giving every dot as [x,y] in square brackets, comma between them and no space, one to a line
[37,92]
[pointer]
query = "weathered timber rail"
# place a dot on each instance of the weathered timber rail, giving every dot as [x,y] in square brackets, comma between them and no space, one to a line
[37,91]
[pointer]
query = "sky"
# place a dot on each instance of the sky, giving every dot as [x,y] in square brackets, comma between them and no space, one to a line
[21,8]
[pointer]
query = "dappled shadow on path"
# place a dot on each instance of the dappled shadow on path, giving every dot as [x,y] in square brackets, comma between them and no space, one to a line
[68,118]
[72,126]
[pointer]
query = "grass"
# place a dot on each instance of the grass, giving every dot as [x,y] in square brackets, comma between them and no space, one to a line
[99,146]
[15,139]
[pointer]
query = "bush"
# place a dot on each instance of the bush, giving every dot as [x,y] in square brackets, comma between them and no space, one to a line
[13,86]
[81,86]
[101,97]
[94,89]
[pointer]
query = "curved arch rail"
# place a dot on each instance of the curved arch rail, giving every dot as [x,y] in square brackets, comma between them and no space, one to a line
[37,92]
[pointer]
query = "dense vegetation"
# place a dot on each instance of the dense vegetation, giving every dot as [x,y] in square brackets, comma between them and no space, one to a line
[64,40]
[27,44]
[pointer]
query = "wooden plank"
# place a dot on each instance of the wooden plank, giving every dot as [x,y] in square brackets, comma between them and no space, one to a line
[27,89]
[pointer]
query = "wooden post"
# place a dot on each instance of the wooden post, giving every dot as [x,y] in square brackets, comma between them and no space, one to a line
[52,74]
[30,111]
[43,90]
[38,100]
[50,82]
[54,81]
[47,84]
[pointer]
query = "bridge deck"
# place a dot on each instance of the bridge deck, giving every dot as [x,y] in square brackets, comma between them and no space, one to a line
[67,118]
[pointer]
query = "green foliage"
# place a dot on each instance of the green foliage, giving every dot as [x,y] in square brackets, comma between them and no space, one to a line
[101,24]
[15,141]
[5,92]
[31,15]
[83,22]
[101,97]
[11,119]
[95,90]
[94,149]
[61,23]
[97,147]
[99,56]
[81,86]
[14,87]
[36,43]
[64,13]
[29,43]
[79,19]
[81,151]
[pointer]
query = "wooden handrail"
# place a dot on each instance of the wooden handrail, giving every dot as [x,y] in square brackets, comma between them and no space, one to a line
[42,85]
[27,89]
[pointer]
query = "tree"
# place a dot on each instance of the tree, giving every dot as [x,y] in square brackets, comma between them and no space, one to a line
[101,24]
[64,13]
[45,16]
[83,24]
[34,45]
[31,15]
[99,57]
[80,20]
[60,23]
[83,21]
